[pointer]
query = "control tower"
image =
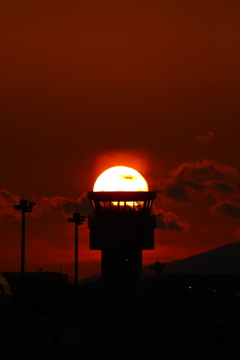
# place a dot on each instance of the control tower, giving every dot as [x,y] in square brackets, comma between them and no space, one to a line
[121,227]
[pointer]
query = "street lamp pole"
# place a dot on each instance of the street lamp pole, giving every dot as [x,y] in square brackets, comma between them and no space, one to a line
[23,244]
[25,207]
[78,220]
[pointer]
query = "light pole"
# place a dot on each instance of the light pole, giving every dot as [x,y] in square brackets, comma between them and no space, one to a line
[78,220]
[25,207]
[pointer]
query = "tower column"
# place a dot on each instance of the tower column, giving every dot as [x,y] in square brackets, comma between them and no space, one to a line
[122,282]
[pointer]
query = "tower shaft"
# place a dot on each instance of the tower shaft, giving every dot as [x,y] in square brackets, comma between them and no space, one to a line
[122,283]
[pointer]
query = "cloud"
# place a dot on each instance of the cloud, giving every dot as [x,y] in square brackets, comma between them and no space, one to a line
[7,201]
[168,221]
[56,207]
[49,236]
[61,206]
[180,189]
[224,186]
[226,208]
[236,233]
[201,181]
[204,170]
[208,137]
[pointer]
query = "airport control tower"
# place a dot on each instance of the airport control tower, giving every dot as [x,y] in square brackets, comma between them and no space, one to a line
[121,227]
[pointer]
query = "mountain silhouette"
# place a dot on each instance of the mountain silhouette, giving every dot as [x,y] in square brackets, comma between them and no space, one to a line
[89,279]
[222,260]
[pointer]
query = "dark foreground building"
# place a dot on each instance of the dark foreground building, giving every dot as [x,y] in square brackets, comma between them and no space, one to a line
[44,292]
[199,319]
[5,295]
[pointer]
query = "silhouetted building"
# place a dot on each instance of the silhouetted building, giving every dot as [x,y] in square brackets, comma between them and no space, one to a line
[5,294]
[122,226]
[44,292]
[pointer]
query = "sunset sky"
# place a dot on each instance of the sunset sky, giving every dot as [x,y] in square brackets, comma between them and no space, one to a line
[90,84]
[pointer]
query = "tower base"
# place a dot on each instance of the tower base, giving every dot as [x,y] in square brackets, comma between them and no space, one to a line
[122,283]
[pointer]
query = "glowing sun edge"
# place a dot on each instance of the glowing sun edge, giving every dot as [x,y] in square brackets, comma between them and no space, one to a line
[120,178]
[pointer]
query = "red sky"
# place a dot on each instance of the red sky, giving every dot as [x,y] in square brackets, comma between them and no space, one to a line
[90,84]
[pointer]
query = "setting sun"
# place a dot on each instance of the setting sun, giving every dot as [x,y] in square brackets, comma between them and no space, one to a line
[120,178]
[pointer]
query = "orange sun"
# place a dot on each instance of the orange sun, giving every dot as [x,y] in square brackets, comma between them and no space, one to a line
[120,178]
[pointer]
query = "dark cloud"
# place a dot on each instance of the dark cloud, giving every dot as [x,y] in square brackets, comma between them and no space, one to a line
[209,136]
[177,191]
[204,171]
[56,207]
[226,208]
[175,226]
[168,221]
[223,186]
[236,233]
[8,197]
[128,177]
[62,206]
[7,201]
[180,189]
[201,181]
